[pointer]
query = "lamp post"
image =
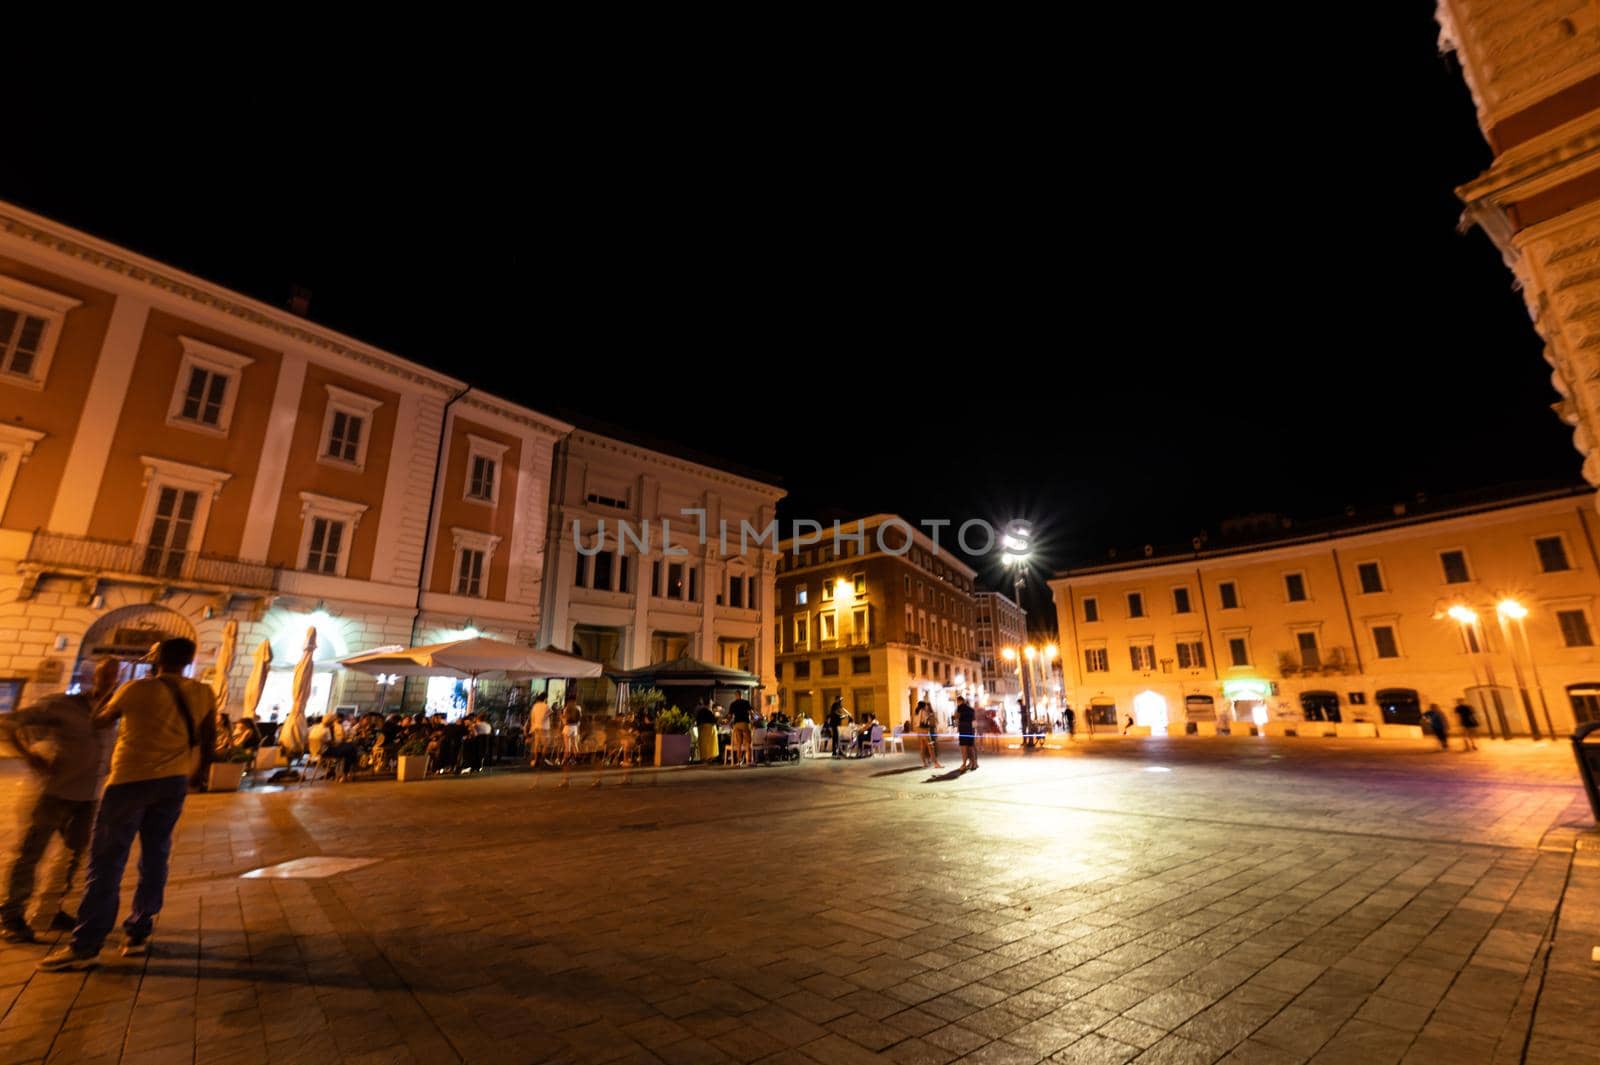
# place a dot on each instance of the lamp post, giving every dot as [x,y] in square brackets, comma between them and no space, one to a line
[1472,635]
[1504,611]
[1017,545]
[1510,609]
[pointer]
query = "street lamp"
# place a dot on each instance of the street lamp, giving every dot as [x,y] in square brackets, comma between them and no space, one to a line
[1472,636]
[1511,610]
[1017,545]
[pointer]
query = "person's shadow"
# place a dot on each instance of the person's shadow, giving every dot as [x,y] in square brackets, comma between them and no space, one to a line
[897,772]
[951,774]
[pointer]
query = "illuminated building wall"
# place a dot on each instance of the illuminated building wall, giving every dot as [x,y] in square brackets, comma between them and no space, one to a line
[878,628]
[175,456]
[1320,623]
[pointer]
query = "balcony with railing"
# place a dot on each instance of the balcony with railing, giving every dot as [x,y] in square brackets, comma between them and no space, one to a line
[1322,660]
[58,554]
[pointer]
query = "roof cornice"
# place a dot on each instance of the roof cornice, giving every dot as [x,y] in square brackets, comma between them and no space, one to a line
[63,240]
[659,458]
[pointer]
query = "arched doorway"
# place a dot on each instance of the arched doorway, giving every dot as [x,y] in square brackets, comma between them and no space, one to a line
[1320,706]
[127,634]
[1400,706]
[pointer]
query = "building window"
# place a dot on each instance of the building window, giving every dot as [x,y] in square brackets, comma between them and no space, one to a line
[207,386]
[860,582]
[1191,654]
[176,507]
[602,562]
[736,592]
[1180,600]
[328,526]
[1142,657]
[1091,609]
[694,584]
[474,554]
[675,581]
[346,425]
[911,620]
[30,325]
[1095,660]
[580,572]
[802,632]
[800,595]
[1135,604]
[802,670]
[469,573]
[830,667]
[622,573]
[1370,576]
[1552,554]
[1228,594]
[908,583]
[1239,650]
[861,664]
[1454,564]
[750,593]
[829,629]
[484,459]
[1310,653]
[858,626]
[1294,586]
[1574,628]
[1383,641]
[827,590]
[16,445]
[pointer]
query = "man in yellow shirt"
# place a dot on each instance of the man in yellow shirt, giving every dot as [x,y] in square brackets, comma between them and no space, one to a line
[167,722]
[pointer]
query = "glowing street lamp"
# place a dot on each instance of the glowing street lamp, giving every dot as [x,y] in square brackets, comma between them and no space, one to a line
[1472,636]
[1017,551]
[1510,610]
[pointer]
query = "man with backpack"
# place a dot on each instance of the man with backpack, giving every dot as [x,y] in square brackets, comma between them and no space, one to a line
[1468,719]
[168,722]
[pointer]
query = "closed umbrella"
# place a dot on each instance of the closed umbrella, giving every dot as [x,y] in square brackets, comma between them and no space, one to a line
[261,661]
[224,666]
[293,735]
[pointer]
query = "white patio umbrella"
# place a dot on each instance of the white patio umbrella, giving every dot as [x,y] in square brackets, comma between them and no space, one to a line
[224,664]
[293,734]
[261,661]
[474,658]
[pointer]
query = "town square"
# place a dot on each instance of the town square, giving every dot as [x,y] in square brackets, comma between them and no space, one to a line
[979,542]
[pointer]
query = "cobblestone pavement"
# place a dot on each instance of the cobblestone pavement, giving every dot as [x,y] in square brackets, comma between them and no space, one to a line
[1158,901]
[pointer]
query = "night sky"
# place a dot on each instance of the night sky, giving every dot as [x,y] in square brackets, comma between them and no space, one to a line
[1238,287]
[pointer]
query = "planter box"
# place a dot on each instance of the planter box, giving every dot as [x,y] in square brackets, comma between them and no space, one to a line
[224,776]
[1279,728]
[1315,728]
[1399,732]
[1204,728]
[270,758]
[672,748]
[1356,730]
[412,766]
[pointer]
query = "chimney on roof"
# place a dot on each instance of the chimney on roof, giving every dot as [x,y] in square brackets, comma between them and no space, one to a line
[299,300]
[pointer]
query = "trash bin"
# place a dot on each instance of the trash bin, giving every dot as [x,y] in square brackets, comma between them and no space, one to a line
[1588,755]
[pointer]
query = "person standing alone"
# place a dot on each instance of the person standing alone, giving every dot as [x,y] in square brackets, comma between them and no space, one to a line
[966,726]
[167,722]
[65,805]
[1467,717]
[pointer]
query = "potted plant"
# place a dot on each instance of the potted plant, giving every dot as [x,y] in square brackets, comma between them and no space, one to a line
[672,737]
[413,759]
[226,772]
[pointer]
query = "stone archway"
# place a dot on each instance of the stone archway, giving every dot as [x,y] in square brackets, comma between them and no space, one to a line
[127,634]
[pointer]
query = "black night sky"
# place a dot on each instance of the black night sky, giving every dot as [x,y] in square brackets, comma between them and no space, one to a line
[1238,289]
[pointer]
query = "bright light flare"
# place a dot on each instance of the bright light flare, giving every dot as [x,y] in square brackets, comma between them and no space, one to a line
[1510,608]
[1464,614]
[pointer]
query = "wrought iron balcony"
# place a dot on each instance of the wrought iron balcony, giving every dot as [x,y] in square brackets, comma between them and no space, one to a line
[1322,660]
[80,556]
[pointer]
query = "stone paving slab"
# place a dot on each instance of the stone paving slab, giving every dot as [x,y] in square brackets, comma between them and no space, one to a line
[1266,901]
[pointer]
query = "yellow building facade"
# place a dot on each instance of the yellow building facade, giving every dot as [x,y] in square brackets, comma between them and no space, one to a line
[1350,631]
